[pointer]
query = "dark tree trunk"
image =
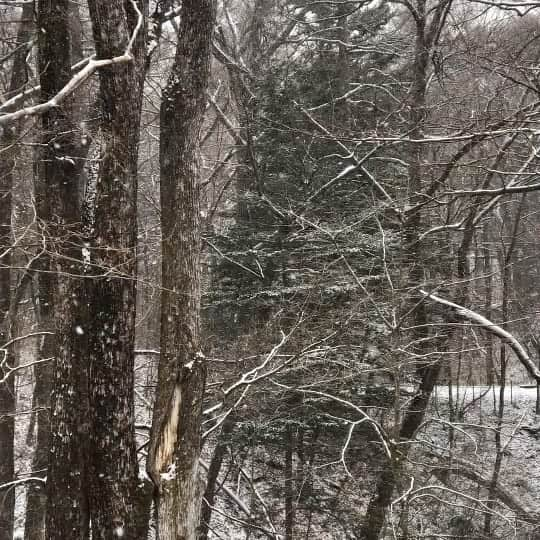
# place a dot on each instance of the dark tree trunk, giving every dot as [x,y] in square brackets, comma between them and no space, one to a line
[213,475]
[426,37]
[43,372]
[289,482]
[113,469]
[57,205]
[7,387]
[173,461]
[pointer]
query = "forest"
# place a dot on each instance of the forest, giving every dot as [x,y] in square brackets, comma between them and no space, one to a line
[268,269]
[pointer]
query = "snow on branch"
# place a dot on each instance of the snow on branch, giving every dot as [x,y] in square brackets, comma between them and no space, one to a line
[78,79]
[8,370]
[359,163]
[505,336]
[514,188]
[20,481]
[521,8]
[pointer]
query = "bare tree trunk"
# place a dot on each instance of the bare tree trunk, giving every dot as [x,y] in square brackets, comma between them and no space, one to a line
[490,365]
[110,298]
[36,501]
[426,37]
[213,475]
[506,276]
[43,372]
[173,460]
[57,207]
[7,387]
[289,482]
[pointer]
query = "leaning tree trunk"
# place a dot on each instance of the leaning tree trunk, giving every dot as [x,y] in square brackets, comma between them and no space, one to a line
[7,386]
[212,478]
[110,297]
[173,461]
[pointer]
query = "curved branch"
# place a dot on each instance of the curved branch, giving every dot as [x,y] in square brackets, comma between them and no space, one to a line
[486,324]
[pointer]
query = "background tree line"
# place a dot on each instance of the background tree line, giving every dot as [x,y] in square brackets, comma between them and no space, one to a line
[267,269]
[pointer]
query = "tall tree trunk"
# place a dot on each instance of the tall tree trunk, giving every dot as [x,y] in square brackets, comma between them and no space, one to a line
[57,205]
[7,387]
[110,298]
[507,253]
[173,461]
[43,372]
[427,35]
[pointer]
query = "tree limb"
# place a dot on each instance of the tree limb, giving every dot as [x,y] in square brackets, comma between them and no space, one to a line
[486,324]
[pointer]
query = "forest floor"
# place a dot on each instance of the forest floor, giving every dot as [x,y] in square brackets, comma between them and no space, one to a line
[474,448]
[473,440]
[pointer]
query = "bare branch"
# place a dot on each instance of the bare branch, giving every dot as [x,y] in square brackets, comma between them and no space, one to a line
[77,80]
[501,333]
[461,467]
[15,483]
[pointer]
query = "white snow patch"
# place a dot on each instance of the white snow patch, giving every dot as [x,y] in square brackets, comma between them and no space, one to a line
[18,534]
[143,476]
[79,331]
[170,474]
[86,255]
[119,531]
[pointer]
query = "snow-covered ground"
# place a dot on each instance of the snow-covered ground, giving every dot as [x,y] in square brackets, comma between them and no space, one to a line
[474,448]
[513,393]
[474,436]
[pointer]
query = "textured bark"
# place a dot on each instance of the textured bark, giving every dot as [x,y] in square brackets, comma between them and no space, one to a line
[36,500]
[43,372]
[7,388]
[112,476]
[173,461]
[57,206]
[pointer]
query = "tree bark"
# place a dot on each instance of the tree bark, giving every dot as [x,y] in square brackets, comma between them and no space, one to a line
[113,470]
[173,461]
[7,388]
[57,209]
[43,372]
